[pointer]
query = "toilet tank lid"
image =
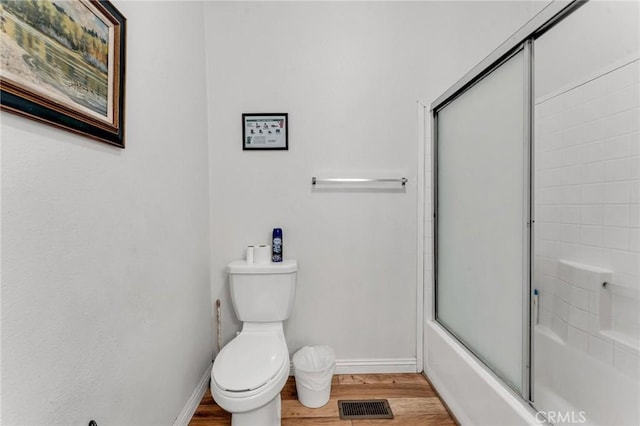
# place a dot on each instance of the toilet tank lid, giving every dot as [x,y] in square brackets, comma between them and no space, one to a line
[287,266]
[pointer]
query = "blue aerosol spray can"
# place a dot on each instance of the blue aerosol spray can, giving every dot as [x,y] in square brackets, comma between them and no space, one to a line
[276,247]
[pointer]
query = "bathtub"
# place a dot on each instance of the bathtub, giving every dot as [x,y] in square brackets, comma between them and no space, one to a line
[570,383]
[472,393]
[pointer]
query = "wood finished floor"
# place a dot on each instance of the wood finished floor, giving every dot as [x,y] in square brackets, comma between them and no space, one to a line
[412,401]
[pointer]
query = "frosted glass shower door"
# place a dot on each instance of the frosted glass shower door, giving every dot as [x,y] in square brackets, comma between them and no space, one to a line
[482,213]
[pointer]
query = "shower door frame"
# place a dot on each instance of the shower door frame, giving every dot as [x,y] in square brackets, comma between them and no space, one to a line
[522,40]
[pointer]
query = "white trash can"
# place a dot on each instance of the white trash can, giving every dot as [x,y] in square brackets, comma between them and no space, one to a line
[313,368]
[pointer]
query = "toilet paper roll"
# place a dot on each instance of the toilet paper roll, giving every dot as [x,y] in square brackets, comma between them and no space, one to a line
[250,254]
[262,254]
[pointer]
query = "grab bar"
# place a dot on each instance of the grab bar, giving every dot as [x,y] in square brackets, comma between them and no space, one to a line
[314,180]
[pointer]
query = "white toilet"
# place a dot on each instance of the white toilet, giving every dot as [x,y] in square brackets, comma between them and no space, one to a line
[250,371]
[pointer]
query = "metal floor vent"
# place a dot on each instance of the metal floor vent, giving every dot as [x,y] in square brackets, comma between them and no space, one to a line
[365,409]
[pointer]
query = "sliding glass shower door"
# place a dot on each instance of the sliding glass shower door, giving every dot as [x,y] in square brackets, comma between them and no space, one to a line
[482,208]
[561,327]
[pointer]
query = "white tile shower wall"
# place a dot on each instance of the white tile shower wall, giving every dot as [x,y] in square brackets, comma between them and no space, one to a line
[587,165]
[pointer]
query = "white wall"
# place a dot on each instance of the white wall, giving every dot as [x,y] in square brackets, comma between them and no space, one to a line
[349,75]
[105,286]
[105,293]
[597,35]
[351,97]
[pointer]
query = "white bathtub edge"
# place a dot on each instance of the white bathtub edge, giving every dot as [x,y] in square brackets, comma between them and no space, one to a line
[473,394]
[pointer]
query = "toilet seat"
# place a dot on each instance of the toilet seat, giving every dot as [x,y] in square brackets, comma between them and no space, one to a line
[251,370]
[250,361]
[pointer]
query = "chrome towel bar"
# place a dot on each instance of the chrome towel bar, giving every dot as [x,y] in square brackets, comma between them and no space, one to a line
[314,180]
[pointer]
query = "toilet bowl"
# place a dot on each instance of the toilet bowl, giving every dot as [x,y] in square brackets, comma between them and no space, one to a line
[250,371]
[249,374]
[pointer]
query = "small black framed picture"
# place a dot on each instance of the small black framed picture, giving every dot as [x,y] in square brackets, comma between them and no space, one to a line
[265,131]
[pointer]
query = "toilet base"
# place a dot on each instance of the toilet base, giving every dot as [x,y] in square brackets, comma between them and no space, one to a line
[267,415]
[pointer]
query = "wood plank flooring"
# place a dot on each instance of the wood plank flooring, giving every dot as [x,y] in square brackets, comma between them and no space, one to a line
[412,401]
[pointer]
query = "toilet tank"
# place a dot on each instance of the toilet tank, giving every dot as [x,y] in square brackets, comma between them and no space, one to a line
[262,292]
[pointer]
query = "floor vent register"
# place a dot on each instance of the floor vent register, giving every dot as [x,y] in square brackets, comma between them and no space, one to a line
[365,409]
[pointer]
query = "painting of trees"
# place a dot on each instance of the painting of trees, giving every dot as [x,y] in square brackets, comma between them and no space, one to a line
[53,20]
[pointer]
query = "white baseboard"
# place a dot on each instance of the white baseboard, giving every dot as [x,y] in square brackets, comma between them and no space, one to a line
[343,366]
[373,366]
[191,406]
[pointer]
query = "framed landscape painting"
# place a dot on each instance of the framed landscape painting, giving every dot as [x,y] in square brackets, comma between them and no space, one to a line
[62,63]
